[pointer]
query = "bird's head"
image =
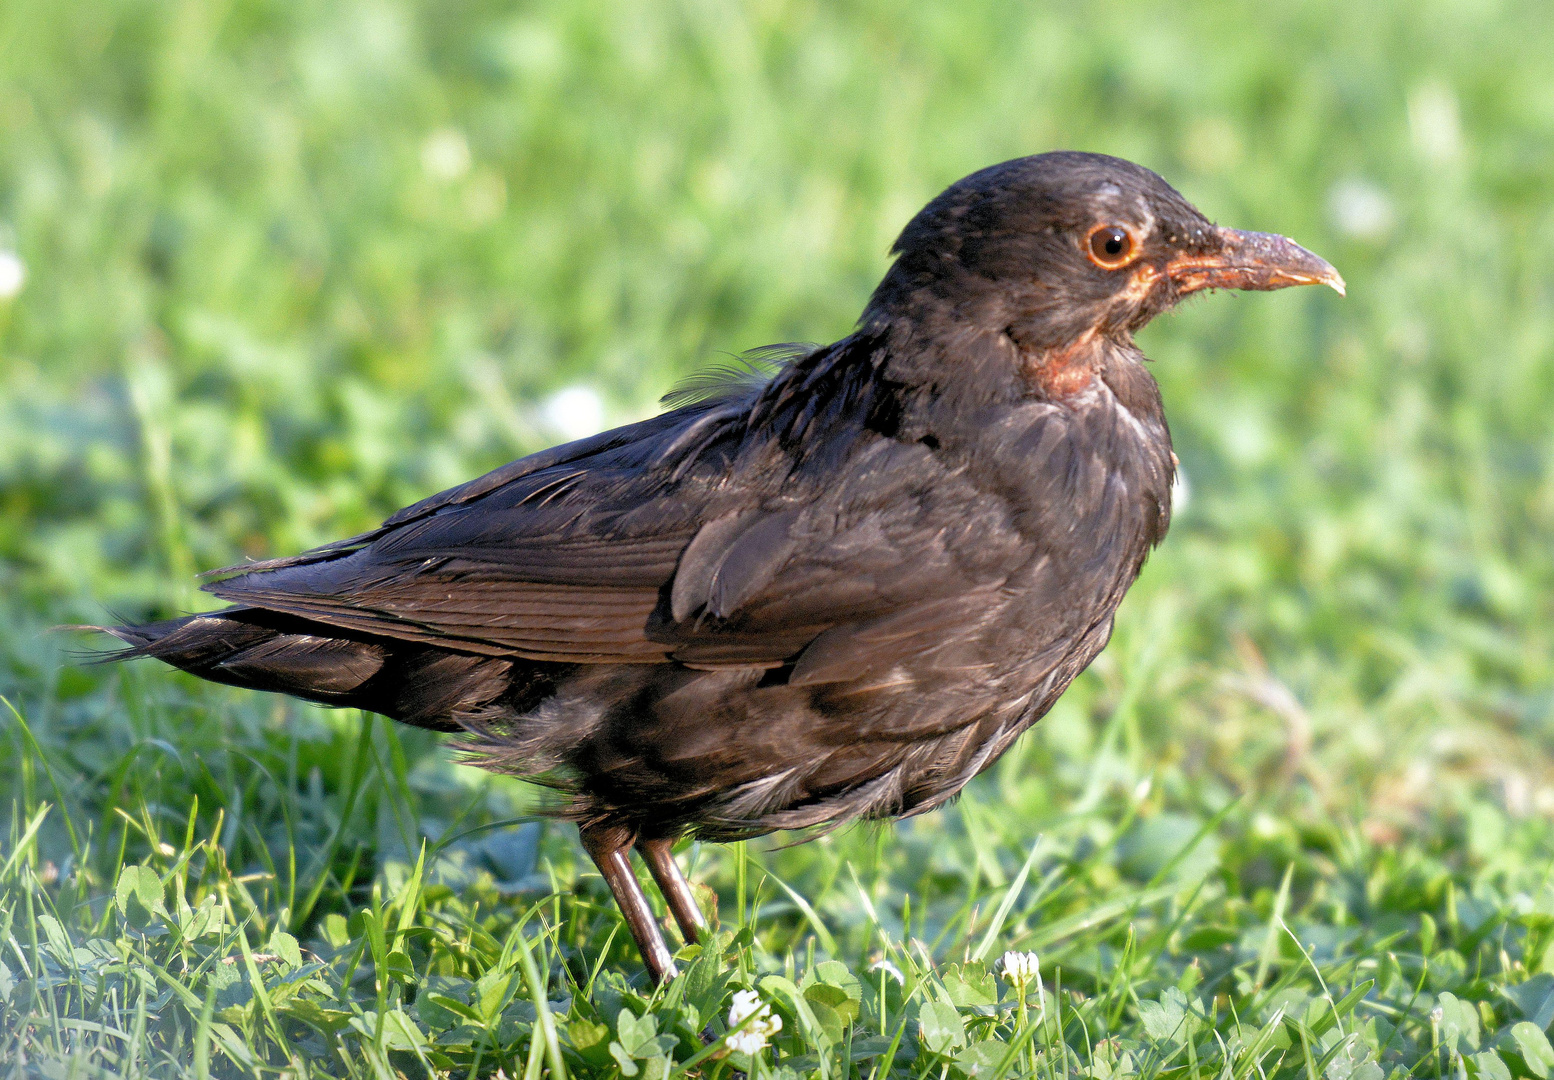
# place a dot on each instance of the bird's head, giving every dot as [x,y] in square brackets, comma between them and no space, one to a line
[1062,248]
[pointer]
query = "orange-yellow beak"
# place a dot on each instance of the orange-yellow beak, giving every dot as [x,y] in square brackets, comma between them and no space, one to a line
[1252,260]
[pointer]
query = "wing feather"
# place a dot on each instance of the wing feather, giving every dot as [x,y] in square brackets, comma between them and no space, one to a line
[839,558]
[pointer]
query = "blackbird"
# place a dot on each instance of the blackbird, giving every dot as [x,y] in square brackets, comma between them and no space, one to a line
[836,591]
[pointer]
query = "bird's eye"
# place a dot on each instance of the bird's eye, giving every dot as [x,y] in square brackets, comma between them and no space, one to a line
[1110,246]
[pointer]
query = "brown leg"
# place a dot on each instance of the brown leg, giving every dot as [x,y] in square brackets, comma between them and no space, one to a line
[659,856]
[610,851]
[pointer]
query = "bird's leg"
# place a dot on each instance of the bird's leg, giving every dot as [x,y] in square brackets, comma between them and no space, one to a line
[659,855]
[610,850]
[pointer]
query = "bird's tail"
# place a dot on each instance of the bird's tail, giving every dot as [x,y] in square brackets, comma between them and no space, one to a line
[265,650]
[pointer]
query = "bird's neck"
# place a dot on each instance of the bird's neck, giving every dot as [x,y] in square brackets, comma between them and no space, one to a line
[939,381]
[968,365]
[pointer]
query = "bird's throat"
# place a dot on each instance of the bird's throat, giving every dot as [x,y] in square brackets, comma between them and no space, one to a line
[1061,372]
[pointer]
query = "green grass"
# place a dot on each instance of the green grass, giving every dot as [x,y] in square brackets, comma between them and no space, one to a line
[291,266]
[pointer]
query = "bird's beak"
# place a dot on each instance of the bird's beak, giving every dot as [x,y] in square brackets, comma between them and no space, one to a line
[1251,260]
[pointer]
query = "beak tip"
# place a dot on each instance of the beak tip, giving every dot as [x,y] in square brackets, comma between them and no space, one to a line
[1335,281]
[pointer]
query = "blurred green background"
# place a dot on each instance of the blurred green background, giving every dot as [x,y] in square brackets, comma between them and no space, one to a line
[288,267]
[271,270]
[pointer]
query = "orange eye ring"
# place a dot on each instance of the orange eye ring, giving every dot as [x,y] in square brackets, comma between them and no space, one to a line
[1110,247]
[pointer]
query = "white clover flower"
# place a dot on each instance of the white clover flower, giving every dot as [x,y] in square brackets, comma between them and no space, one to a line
[1181,492]
[445,154]
[1435,122]
[1361,210]
[888,968]
[1021,968]
[575,412]
[13,274]
[752,1040]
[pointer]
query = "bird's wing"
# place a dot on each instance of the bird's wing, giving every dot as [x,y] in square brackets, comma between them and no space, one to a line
[560,556]
[899,556]
[598,556]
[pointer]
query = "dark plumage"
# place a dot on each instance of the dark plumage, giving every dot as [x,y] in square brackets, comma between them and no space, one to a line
[837,592]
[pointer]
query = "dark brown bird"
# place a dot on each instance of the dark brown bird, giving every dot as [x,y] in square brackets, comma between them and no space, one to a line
[836,592]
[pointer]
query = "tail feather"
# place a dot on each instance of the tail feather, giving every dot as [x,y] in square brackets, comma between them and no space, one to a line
[264,650]
[304,661]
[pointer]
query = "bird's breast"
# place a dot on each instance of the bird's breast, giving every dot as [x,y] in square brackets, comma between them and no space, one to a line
[1086,483]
